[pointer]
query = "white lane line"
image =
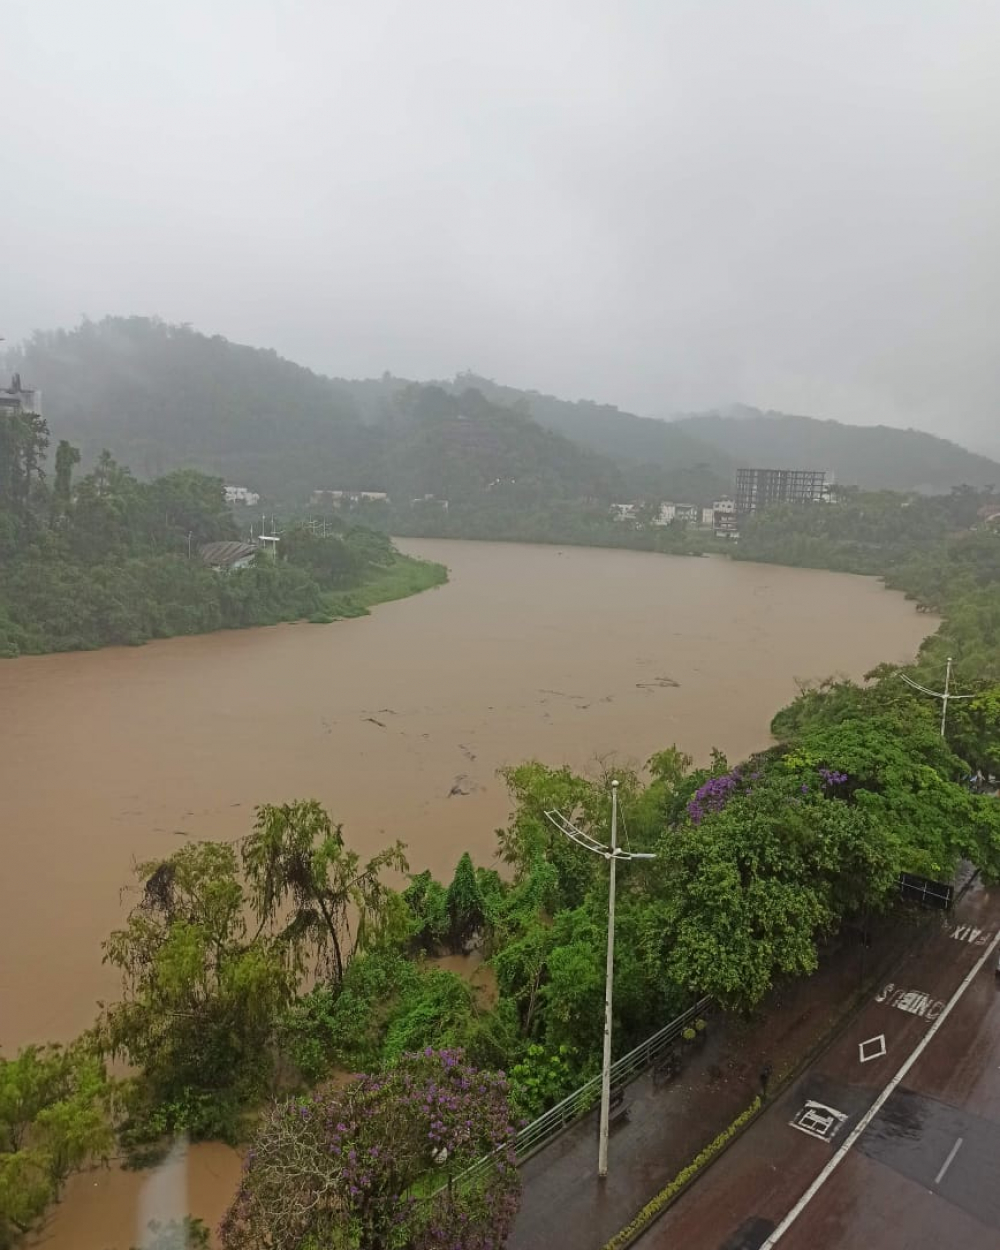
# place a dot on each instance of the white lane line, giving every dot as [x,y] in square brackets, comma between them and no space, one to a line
[877,1105]
[947,1163]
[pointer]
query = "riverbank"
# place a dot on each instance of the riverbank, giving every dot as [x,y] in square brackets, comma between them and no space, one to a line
[405,576]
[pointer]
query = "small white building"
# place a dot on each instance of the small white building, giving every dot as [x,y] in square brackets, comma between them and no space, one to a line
[342,498]
[242,494]
[676,512]
[724,522]
[624,511]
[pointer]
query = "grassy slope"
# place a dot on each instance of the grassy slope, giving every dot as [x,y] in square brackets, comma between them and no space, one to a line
[404,577]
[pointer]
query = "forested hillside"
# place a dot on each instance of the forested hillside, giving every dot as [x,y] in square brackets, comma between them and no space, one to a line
[164,397]
[873,457]
[107,559]
[658,459]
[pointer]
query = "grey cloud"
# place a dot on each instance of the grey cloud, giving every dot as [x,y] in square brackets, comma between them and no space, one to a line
[667,205]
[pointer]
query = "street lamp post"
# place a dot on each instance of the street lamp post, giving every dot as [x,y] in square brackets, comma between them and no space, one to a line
[612,854]
[944,695]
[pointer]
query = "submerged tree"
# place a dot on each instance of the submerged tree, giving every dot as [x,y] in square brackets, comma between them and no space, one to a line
[53,1119]
[366,1167]
[201,998]
[304,877]
[466,916]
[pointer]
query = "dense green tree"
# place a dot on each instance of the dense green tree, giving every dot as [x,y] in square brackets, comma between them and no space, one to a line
[308,883]
[24,437]
[54,1118]
[542,1078]
[67,457]
[466,915]
[201,996]
[754,884]
[427,901]
[328,559]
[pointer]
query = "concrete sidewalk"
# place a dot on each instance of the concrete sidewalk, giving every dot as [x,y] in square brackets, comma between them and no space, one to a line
[564,1205]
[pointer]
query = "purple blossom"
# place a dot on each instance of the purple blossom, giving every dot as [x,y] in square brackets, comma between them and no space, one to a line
[832,778]
[713,795]
[356,1152]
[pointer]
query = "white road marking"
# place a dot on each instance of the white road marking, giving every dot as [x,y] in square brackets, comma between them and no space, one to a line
[915,1002]
[877,1045]
[819,1120]
[947,1163]
[877,1105]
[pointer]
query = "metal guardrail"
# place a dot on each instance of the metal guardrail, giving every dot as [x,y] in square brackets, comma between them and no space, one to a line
[930,893]
[552,1123]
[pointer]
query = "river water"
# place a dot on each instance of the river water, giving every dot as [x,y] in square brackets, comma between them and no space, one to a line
[396,722]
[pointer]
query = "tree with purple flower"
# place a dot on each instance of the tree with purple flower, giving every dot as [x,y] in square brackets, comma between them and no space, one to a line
[377,1164]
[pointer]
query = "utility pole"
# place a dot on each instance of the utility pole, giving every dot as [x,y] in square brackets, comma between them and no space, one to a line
[944,695]
[609,977]
[612,854]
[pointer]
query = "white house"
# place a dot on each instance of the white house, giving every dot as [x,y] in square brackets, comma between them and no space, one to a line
[724,521]
[341,497]
[242,494]
[624,511]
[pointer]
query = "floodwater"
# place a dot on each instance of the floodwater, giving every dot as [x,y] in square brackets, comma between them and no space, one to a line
[397,722]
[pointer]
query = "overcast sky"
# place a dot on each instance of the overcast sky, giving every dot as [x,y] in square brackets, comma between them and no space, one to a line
[659,203]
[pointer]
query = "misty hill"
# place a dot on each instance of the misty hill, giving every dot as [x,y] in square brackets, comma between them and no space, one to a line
[162,397]
[873,457]
[657,458]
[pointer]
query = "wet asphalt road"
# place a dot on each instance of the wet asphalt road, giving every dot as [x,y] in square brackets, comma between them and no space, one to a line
[925,1171]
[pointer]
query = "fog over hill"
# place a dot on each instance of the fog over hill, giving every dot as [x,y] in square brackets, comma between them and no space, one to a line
[160,396]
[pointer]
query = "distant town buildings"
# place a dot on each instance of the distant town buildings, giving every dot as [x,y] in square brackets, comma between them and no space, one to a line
[759,488]
[16,398]
[242,494]
[637,511]
[346,498]
[687,512]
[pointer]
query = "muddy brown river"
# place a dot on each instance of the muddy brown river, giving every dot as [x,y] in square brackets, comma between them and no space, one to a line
[397,722]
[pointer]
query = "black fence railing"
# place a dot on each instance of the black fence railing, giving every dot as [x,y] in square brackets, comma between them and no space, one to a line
[541,1132]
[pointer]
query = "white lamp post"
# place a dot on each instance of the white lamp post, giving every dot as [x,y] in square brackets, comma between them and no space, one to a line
[612,854]
[943,695]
